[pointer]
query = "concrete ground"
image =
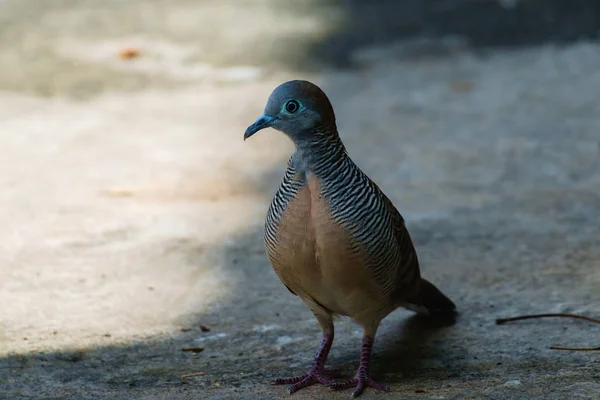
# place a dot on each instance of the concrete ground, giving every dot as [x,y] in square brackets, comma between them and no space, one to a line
[132,209]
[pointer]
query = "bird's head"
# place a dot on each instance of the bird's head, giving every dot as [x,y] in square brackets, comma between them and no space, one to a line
[300,109]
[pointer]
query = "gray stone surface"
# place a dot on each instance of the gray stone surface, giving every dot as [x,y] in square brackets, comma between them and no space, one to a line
[133,218]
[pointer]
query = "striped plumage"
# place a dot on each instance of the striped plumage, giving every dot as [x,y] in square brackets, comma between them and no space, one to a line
[333,237]
[358,205]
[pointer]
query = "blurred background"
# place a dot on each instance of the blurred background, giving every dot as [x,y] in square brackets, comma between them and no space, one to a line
[132,210]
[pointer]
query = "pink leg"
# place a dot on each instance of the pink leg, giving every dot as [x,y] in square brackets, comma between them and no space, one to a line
[361,379]
[317,374]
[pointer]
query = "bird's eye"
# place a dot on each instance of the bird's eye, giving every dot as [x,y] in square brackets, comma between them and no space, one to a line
[292,106]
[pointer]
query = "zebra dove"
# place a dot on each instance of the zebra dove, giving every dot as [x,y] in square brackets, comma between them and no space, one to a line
[332,236]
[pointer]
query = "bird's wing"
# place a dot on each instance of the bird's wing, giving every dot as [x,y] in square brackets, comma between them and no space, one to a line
[407,269]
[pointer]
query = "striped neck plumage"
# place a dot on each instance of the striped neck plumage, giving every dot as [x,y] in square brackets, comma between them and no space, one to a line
[321,151]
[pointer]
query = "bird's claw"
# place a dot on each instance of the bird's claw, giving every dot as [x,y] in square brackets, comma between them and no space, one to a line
[314,376]
[360,383]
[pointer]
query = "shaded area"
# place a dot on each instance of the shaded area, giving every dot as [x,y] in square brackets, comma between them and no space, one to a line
[495,167]
[70,48]
[480,24]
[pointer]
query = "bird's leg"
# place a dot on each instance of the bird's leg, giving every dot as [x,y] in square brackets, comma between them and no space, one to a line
[317,373]
[362,379]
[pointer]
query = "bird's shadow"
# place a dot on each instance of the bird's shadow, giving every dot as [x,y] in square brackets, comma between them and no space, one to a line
[402,351]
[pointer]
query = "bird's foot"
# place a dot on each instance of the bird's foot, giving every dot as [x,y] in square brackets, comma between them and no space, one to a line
[313,376]
[360,382]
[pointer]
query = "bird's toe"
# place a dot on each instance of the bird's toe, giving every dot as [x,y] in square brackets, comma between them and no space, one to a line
[287,381]
[359,384]
[312,377]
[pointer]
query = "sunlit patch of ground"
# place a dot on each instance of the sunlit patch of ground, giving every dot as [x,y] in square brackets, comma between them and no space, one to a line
[111,209]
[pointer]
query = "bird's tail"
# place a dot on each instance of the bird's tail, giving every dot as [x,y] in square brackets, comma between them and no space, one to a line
[436,302]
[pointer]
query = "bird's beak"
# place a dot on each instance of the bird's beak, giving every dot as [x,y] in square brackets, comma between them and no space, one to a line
[262,122]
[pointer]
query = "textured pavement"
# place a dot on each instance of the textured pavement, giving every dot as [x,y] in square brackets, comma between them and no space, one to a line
[133,210]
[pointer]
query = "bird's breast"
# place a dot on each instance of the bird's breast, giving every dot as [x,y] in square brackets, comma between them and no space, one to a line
[291,247]
[314,255]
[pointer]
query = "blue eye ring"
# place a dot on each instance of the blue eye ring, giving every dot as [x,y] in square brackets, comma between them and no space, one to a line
[292,106]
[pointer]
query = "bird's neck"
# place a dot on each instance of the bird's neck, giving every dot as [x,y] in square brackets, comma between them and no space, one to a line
[319,156]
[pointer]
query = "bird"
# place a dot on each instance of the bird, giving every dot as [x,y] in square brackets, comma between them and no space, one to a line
[334,238]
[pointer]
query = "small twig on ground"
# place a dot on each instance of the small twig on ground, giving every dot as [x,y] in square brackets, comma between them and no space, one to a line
[193,349]
[575,348]
[501,321]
